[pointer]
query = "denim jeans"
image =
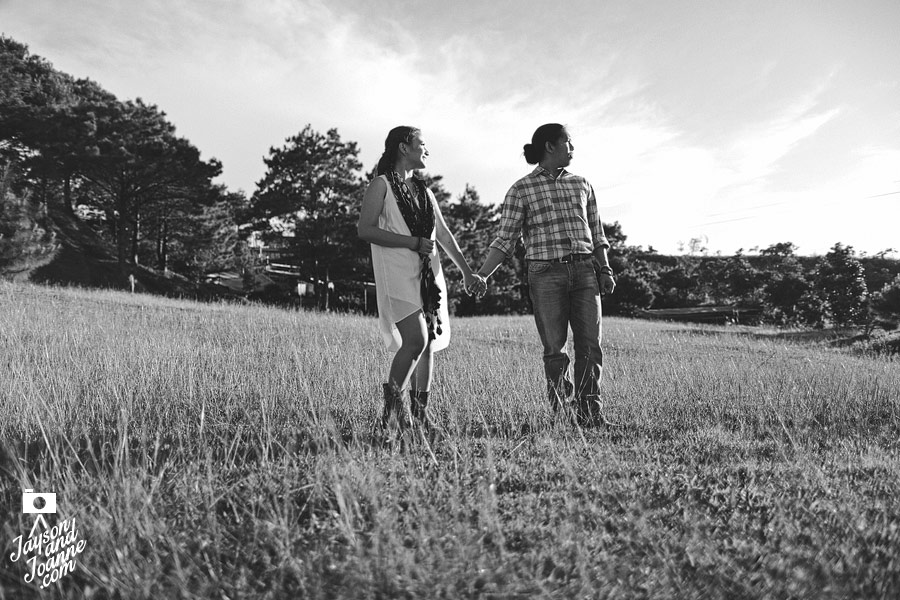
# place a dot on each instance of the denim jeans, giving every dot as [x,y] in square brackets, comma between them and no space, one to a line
[563,295]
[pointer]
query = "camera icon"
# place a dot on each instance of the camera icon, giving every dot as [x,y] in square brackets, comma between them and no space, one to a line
[38,503]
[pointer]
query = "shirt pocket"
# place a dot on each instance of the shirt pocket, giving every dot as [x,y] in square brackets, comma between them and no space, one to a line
[541,212]
[580,200]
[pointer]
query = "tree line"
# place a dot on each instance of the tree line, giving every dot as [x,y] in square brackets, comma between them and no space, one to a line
[781,287]
[71,150]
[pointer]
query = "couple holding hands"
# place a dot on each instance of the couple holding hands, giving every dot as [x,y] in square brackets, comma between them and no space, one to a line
[553,210]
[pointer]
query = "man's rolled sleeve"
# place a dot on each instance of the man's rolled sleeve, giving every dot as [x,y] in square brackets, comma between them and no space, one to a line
[597,233]
[512,215]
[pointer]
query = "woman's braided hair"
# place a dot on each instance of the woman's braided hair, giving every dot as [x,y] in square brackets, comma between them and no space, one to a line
[396,136]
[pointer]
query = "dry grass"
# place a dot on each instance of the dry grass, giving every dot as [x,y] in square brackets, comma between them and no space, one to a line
[215,451]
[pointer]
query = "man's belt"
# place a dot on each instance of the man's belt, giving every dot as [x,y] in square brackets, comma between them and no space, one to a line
[568,258]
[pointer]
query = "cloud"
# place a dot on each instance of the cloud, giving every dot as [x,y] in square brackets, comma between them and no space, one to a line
[758,148]
[688,121]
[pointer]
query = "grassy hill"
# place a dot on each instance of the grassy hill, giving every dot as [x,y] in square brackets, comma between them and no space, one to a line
[76,256]
[212,451]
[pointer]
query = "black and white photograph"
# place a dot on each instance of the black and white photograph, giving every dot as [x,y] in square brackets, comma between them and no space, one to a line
[394,299]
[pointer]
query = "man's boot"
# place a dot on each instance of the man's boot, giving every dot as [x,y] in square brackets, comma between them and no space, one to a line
[589,413]
[559,394]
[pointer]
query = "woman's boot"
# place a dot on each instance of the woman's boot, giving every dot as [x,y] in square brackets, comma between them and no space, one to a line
[418,404]
[394,415]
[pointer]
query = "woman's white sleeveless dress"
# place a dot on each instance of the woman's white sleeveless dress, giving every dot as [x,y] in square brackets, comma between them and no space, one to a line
[398,279]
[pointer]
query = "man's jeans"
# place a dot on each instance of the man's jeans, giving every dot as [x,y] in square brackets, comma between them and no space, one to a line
[564,294]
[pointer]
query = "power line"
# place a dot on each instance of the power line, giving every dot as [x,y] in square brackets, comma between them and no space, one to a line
[737,210]
[724,221]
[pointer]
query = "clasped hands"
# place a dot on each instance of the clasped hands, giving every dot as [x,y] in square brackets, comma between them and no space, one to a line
[475,284]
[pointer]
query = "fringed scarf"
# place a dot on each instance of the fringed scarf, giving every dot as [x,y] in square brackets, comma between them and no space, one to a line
[418,213]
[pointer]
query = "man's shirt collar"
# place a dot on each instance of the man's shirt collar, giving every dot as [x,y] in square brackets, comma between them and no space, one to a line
[539,170]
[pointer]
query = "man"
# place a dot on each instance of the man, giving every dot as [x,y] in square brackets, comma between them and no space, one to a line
[555,212]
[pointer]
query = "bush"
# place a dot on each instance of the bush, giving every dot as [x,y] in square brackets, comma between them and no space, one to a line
[886,305]
[633,293]
[841,277]
[25,237]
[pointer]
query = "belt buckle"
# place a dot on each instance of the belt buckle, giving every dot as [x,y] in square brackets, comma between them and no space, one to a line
[567,258]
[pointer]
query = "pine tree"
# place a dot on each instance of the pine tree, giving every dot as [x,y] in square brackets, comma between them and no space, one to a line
[307,202]
[24,236]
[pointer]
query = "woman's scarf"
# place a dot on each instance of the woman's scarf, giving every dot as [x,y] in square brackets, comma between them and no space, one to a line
[418,213]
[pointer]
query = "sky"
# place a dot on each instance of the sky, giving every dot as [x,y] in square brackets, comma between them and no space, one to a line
[736,123]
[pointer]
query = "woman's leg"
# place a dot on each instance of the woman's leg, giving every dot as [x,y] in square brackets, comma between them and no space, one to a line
[414,336]
[420,386]
[421,380]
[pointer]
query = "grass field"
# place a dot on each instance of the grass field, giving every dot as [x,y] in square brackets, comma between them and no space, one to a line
[220,451]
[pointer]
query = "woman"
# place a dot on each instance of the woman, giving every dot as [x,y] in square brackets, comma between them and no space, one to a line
[401,219]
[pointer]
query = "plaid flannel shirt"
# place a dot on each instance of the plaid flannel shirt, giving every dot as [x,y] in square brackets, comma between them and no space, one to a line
[555,216]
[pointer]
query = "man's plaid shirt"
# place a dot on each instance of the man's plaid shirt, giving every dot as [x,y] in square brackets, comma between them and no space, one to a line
[555,217]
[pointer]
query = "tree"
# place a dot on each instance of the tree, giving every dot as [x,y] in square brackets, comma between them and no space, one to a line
[886,304]
[677,287]
[784,297]
[307,202]
[72,138]
[436,184]
[782,250]
[24,238]
[695,246]
[841,279]
[880,269]
[787,293]
[137,166]
[633,293]
[743,283]
[635,278]
[119,166]
[475,226]
[40,121]
[709,287]
[204,239]
[616,238]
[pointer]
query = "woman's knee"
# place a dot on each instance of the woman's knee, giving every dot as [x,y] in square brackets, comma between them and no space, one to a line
[421,344]
[413,334]
[415,343]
